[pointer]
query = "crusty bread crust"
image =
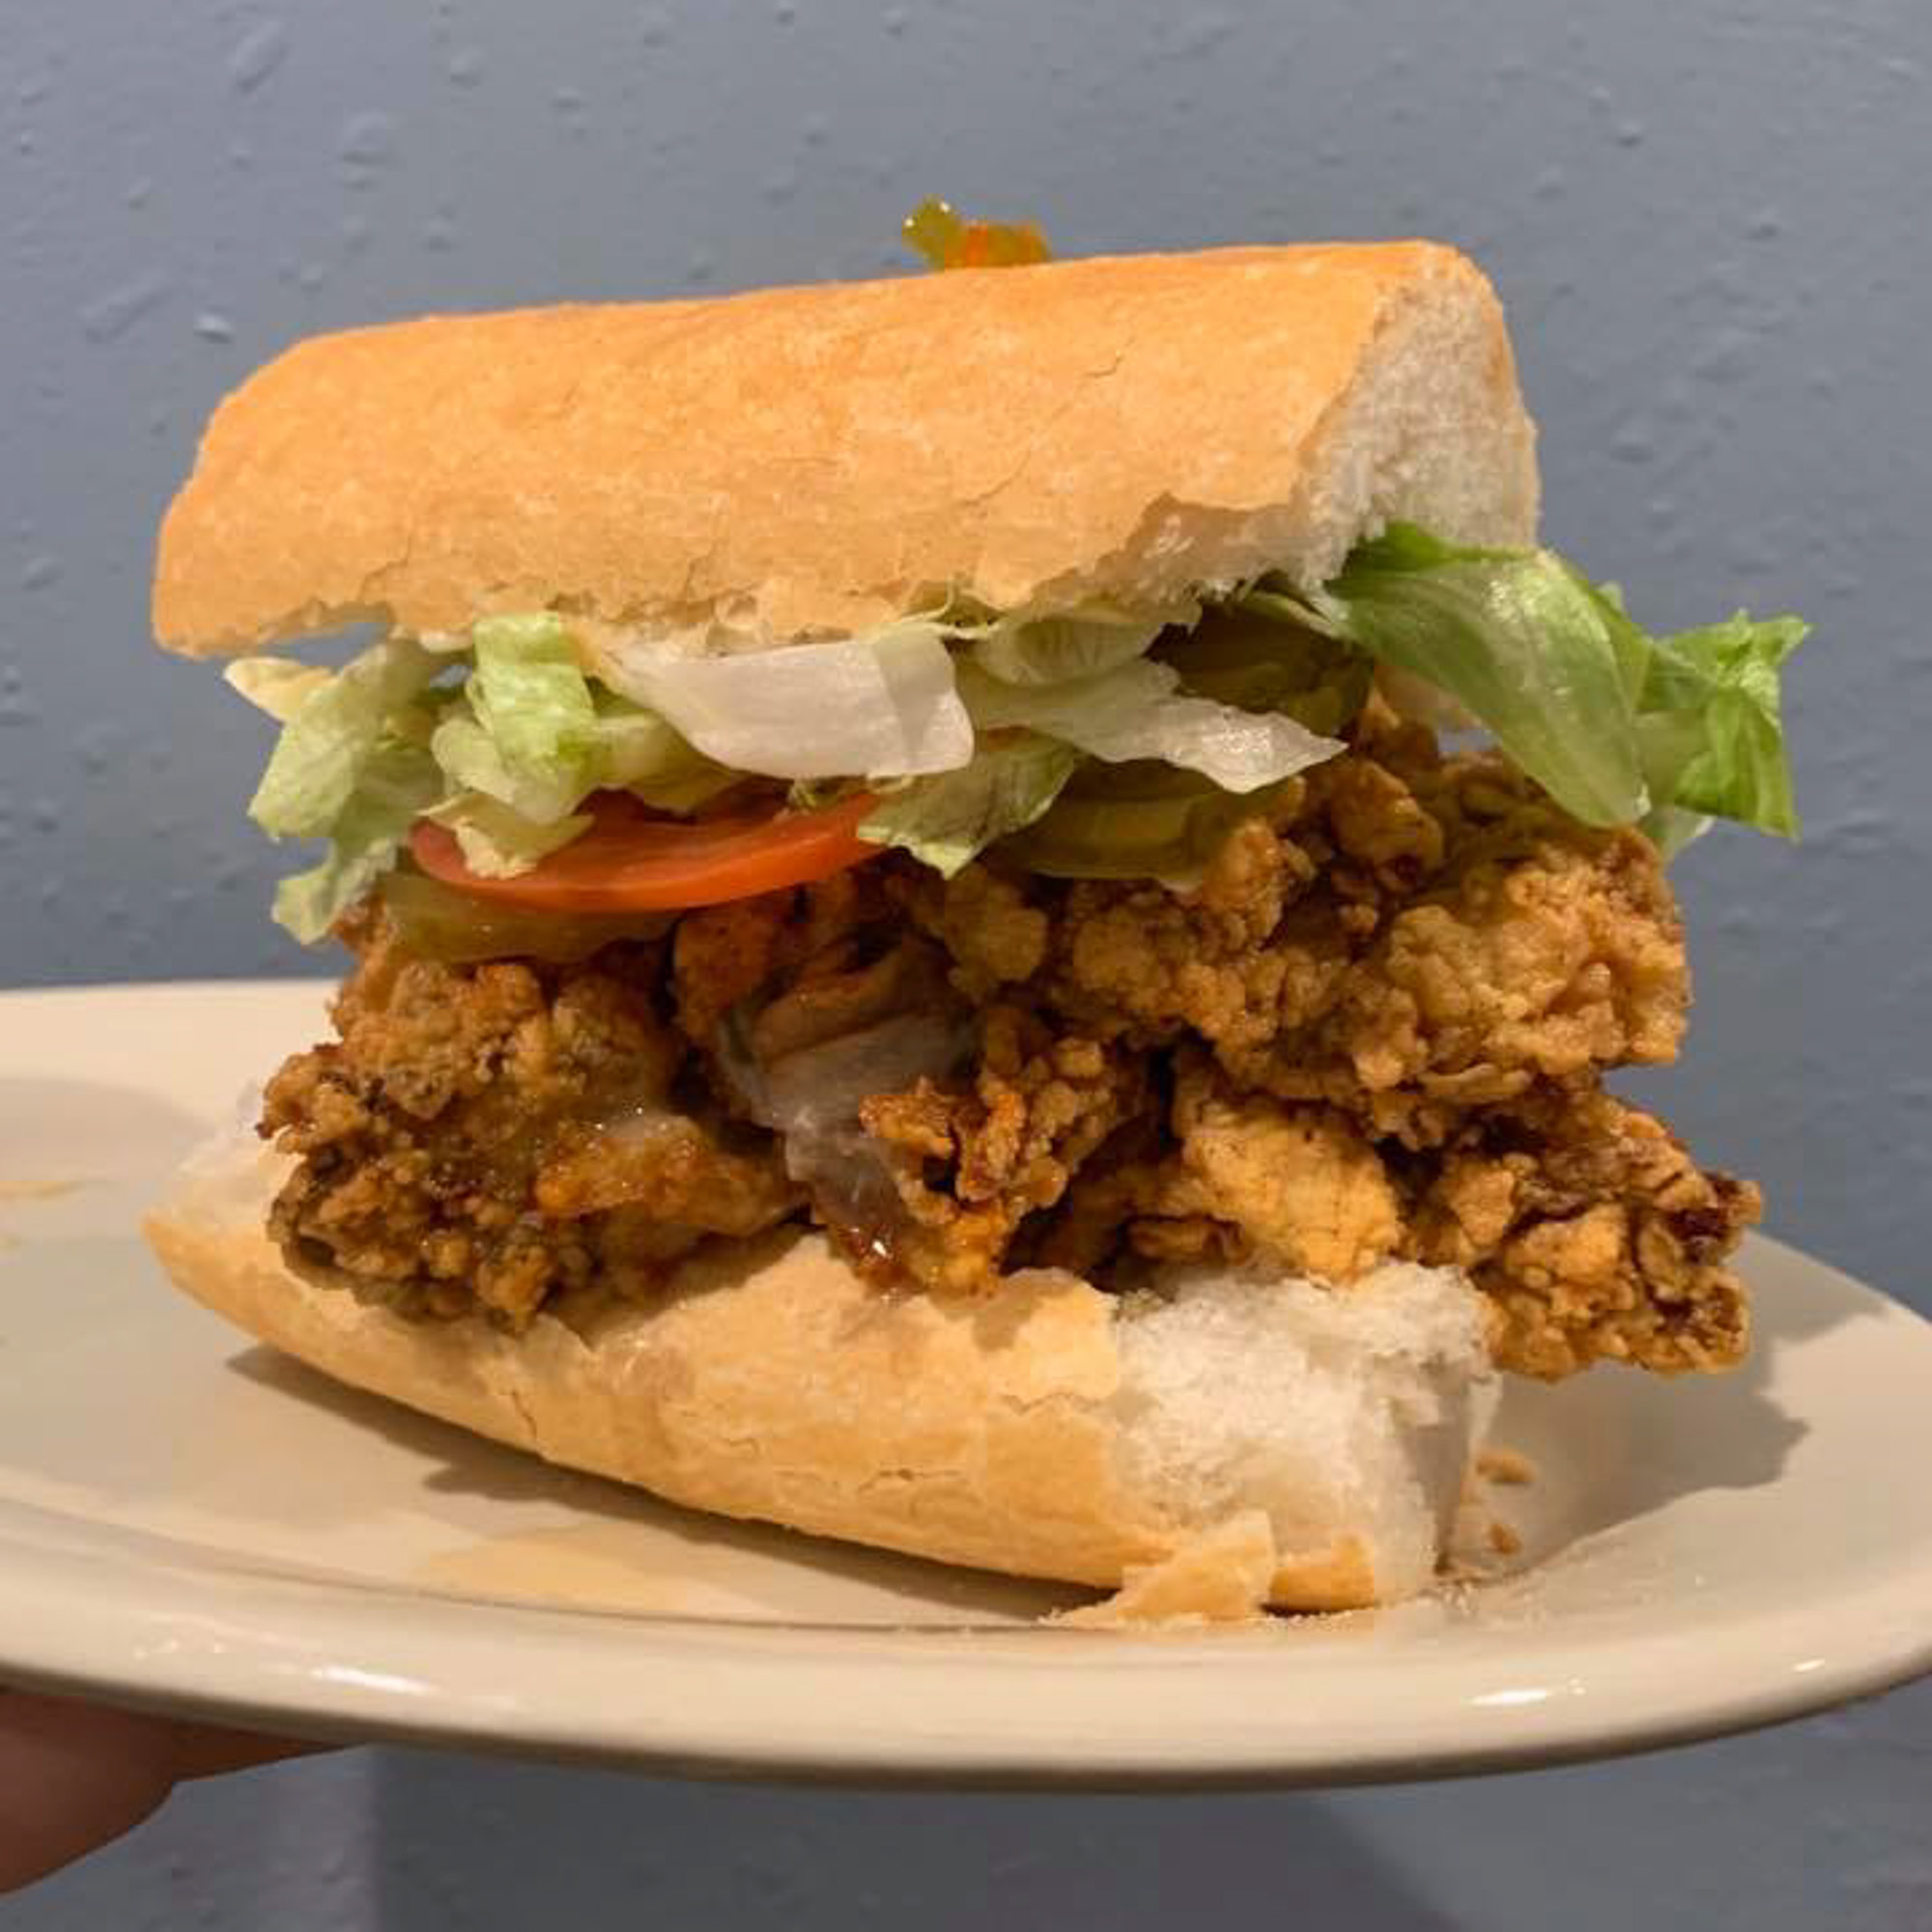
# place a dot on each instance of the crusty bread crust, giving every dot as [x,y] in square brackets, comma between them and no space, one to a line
[771,1383]
[810,460]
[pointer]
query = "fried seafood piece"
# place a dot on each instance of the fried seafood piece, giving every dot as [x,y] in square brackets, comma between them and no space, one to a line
[1405,941]
[1376,1026]
[1595,1234]
[1237,1177]
[488,1135]
[972,1163]
[726,958]
[1137,959]
[1301,1184]
[1548,952]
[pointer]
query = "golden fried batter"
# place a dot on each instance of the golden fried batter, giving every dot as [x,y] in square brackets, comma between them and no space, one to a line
[502,1131]
[1304,1188]
[1379,1026]
[1595,1234]
[1007,1146]
[1413,960]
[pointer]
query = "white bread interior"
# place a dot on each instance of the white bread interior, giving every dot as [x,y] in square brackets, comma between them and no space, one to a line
[1229,1443]
[809,462]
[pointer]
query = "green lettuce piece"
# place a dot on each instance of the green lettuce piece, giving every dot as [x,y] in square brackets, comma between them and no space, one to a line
[879,706]
[1670,828]
[474,763]
[529,695]
[278,686]
[947,820]
[531,733]
[396,782]
[627,749]
[505,761]
[1619,727]
[333,734]
[1711,721]
[1139,711]
[639,752]
[497,841]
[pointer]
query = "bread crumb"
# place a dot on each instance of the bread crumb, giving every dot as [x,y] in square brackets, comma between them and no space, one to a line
[1506,1466]
[1221,1575]
[1503,1540]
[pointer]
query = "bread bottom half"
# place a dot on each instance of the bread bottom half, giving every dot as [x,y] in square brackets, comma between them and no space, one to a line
[1227,1444]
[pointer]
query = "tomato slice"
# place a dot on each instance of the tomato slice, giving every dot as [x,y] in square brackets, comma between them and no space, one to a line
[634,860]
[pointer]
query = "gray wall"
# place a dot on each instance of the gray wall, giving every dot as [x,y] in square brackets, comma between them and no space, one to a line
[1710,222]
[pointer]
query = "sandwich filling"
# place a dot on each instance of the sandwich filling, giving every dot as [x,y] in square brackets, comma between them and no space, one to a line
[995,941]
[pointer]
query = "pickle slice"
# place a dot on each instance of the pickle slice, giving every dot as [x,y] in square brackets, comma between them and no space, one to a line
[435,922]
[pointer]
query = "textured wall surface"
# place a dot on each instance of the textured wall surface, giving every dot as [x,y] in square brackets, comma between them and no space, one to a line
[1710,225]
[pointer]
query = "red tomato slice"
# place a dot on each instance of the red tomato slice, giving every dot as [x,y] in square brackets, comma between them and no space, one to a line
[633,860]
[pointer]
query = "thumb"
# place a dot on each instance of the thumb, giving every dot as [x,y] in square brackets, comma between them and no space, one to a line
[74,1776]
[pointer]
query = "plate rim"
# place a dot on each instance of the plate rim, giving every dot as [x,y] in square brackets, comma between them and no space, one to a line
[367,1703]
[179,1653]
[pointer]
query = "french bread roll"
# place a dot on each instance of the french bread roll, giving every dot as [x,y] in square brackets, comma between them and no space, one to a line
[1226,1443]
[795,465]
[807,462]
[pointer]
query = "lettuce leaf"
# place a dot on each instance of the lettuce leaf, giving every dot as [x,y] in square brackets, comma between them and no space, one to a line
[332,734]
[533,703]
[497,841]
[473,762]
[351,766]
[639,752]
[1139,711]
[949,820]
[396,782]
[274,685]
[1619,727]
[882,705]
[1711,719]
[533,735]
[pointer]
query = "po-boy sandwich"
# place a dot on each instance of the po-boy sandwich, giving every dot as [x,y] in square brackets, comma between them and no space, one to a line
[988,910]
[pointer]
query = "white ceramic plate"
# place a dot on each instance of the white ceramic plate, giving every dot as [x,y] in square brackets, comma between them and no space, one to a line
[190,1523]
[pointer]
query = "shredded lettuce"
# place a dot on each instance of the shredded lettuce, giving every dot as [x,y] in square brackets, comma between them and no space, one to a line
[331,735]
[532,734]
[972,729]
[882,705]
[350,766]
[532,701]
[473,761]
[949,820]
[274,685]
[1138,710]
[497,841]
[639,752]
[1619,727]
[397,782]
[624,748]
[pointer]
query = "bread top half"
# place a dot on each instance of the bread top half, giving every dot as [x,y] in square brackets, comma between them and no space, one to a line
[802,463]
